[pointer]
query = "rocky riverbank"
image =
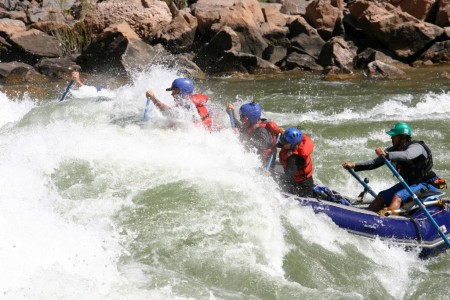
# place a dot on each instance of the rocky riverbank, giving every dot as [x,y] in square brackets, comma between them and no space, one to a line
[41,40]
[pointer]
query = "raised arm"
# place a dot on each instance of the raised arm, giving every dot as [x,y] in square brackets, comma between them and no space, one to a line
[161,106]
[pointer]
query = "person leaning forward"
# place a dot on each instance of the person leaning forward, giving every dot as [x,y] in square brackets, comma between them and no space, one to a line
[295,157]
[183,94]
[413,160]
[255,132]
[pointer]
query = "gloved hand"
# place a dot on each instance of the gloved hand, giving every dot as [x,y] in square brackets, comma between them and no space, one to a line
[386,212]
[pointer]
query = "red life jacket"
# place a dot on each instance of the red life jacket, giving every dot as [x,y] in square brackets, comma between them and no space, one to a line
[273,129]
[199,101]
[303,150]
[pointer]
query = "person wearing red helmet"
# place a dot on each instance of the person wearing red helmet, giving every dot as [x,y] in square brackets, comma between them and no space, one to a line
[183,93]
[256,133]
[295,157]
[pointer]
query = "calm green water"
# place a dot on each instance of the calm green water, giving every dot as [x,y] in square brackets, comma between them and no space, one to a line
[96,204]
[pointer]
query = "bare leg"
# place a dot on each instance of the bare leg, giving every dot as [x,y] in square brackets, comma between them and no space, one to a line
[396,203]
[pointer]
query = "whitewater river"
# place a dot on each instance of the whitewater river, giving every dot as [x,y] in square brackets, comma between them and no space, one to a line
[97,204]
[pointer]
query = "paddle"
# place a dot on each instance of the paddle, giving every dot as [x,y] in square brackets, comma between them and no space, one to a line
[274,152]
[417,200]
[364,184]
[233,125]
[69,85]
[146,108]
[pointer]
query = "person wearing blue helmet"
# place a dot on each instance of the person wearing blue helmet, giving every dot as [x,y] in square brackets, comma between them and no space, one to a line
[295,157]
[412,159]
[183,93]
[255,132]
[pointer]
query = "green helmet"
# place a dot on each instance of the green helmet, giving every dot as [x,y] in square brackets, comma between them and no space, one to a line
[400,128]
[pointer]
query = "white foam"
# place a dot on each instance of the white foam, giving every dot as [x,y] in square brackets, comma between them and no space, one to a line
[12,110]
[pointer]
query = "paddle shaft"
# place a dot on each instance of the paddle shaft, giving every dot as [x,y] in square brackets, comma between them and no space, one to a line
[233,125]
[365,185]
[146,108]
[274,152]
[69,85]
[418,202]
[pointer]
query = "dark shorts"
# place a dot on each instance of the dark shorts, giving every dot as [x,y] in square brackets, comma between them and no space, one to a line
[302,189]
[403,193]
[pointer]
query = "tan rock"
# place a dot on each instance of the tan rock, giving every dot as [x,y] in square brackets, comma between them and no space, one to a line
[273,15]
[209,12]
[144,21]
[323,16]
[9,27]
[443,14]
[419,9]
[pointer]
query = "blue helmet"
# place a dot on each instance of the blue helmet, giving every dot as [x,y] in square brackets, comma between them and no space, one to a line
[252,111]
[185,85]
[292,136]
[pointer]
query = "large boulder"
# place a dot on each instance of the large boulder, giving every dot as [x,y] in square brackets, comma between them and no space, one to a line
[443,13]
[145,21]
[179,35]
[339,53]
[274,54]
[34,45]
[420,9]
[323,16]
[224,55]
[378,69]
[15,15]
[119,49]
[294,7]
[438,53]
[299,61]
[17,72]
[275,35]
[225,40]
[241,19]
[272,15]
[398,31]
[233,61]
[9,27]
[209,12]
[59,67]
[305,37]
[369,55]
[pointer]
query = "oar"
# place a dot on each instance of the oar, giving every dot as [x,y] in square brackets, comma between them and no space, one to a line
[146,108]
[365,185]
[418,202]
[274,152]
[69,85]
[233,125]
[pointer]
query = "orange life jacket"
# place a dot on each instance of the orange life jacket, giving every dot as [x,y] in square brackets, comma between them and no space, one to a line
[199,101]
[303,150]
[273,129]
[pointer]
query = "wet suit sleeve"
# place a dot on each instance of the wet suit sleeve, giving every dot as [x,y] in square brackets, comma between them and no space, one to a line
[372,164]
[413,151]
[369,165]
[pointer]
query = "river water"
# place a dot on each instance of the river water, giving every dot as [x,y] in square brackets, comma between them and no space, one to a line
[95,203]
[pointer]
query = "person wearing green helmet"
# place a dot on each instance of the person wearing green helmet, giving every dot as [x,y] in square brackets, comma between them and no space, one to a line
[413,160]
